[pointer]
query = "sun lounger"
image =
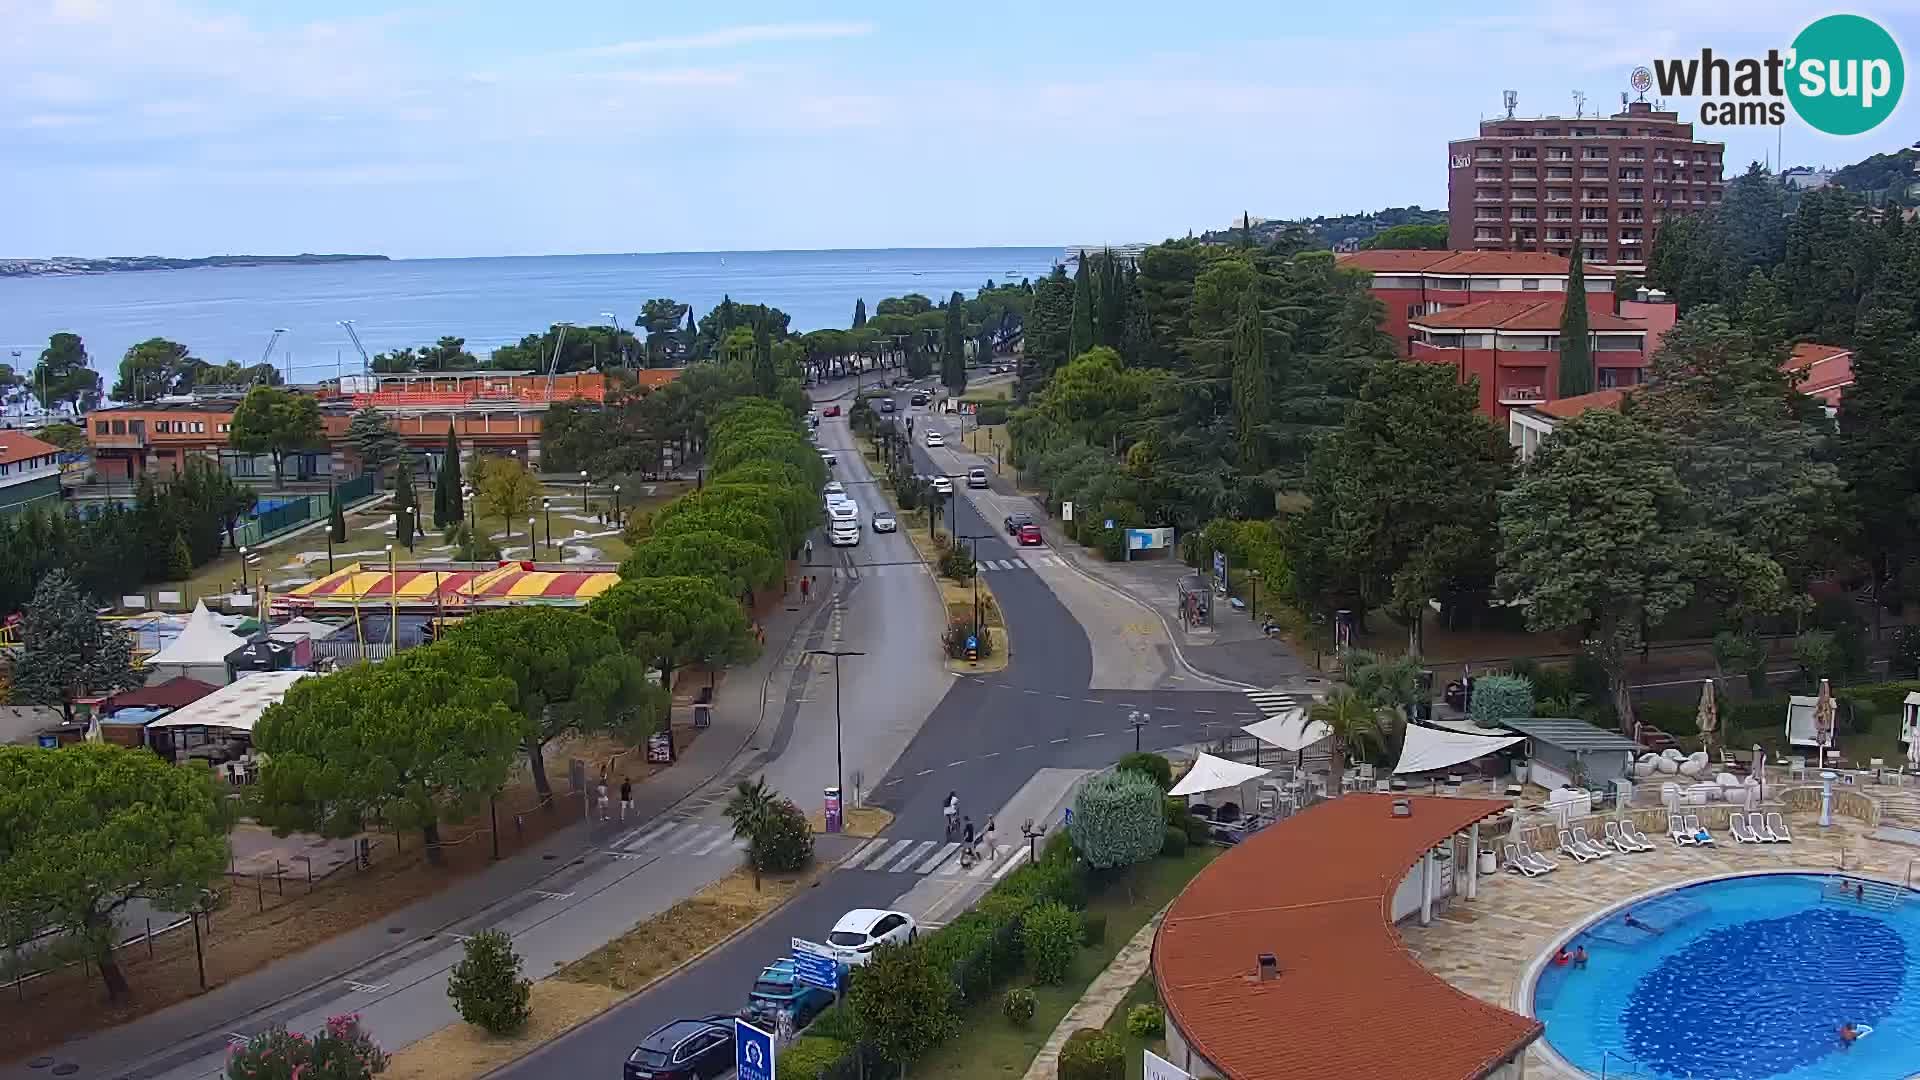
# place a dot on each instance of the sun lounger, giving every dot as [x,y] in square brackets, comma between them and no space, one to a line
[1777,828]
[1678,832]
[1737,824]
[1631,831]
[1538,859]
[1621,835]
[1598,851]
[1568,846]
[1693,826]
[1612,833]
[1758,823]
[1515,864]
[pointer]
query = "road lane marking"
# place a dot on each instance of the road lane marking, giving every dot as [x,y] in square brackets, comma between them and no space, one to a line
[884,855]
[918,853]
[715,843]
[939,857]
[951,764]
[1056,742]
[996,753]
[924,772]
[1029,746]
[1095,735]
[639,841]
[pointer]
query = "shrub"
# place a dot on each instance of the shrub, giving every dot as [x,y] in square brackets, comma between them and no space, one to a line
[1146,1021]
[486,986]
[1056,878]
[958,564]
[1500,697]
[1093,928]
[1092,1054]
[902,1004]
[1018,1006]
[784,842]
[954,641]
[989,413]
[1677,718]
[1198,831]
[338,1051]
[1173,842]
[1817,655]
[1156,767]
[810,1056]
[1906,651]
[1049,934]
[1742,655]
[1119,819]
[834,1022]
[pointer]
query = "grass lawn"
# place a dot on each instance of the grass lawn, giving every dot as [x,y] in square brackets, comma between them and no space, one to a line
[990,1046]
[1143,993]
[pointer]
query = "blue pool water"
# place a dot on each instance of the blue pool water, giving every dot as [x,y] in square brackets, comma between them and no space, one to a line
[271,503]
[1747,979]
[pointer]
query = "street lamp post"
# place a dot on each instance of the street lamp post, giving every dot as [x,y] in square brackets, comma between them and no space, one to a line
[838,765]
[546,505]
[533,539]
[616,506]
[1027,830]
[585,506]
[1138,721]
[393,606]
[1253,609]
[243,568]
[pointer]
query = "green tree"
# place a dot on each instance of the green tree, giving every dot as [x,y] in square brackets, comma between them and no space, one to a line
[1408,237]
[1048,332]
[1353,723]
[570,675]
[65,376]
[374,442]
[735,564]
[1118,820]
[953,347]
[486,986]
[66,652]
[336,519]
[505,489]
[65,436]
[179,559]
[1597,536]
[270,420]
[216,503]
[410,741]
[155,368]
[406,505]
[1878,429]
[1576,345]
[1252,385]
[750,810]
[766,378]
[902,1003]
[660,318]
[448,508]
[91,828]
[1404,498]
[859,313]
[674,621]
[1080,332]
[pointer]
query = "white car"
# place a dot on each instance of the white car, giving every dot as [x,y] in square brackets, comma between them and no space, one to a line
[844,533]
[827,456]
[861,930]
[976,477]
[834,487]
[943,485]
[934,438]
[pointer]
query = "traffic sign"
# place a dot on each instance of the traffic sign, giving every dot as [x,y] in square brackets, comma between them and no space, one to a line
[752,1051]
[1156,1067]
[815,965]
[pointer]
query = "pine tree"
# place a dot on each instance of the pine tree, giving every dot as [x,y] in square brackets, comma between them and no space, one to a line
[1251,384]
[337,521]
[859,313]
[406,506]
[179,559]
[1112,307]
[447,507]
[1080,338]
[1576,355]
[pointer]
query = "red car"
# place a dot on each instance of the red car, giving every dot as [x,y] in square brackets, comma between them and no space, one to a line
[1030,536]
[831,410]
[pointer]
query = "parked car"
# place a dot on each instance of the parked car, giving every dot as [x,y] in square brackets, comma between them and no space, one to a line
[1030,536]
[845,533]
[943,485]
[779,988]
[831,410]
[684,1050]
[884,404]
[976,477]
[919,398]
[934,438]
[827,456]
[1015,521]
[834,487]
[883,522]
[862,930]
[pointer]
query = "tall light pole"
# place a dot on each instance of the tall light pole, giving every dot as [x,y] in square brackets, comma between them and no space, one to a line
[533,539]
[1253,609]
[1138,721]
[393,607]
[243,568]
[976,577]
[616,506]
[838,765]
[585,507]
[546,505]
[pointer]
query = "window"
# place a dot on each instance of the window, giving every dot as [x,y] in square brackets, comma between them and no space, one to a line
[119,427]
[199,428]
[99,427]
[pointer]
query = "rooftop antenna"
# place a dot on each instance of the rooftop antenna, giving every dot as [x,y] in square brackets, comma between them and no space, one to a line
[1579,104]
[1511,98]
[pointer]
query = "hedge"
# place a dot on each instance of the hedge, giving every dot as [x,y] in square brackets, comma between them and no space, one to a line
[809,1057]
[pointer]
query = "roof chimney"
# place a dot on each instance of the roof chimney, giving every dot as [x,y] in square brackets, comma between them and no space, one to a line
[1403,808]
[1656,297]
[1269,967]
[1640,294]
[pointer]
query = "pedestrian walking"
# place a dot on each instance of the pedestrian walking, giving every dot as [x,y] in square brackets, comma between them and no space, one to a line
[966,832]
[809,550]
[626,797]
[601,792]
[952,812]
[993,849]
[806,587]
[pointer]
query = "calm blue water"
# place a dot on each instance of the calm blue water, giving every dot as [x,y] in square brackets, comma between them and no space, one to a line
[229,314]
[1749,981]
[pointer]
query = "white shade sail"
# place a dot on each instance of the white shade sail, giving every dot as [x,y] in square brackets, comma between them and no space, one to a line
[1211,773]
[1427,749]
[1289,730]
[202,641]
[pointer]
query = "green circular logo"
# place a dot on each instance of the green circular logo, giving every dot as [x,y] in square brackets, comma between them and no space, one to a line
[1847,75]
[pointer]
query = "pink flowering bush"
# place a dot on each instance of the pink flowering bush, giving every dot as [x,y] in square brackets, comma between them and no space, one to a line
[338,1051]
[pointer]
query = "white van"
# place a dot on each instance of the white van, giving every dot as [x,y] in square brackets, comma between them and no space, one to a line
[844,510]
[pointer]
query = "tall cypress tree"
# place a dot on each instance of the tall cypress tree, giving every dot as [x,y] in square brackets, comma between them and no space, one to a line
[953,347]
[859,313]
[1576,351]
[1080,336]
[765,379]
[1251,384]
[406,506]
[447,504]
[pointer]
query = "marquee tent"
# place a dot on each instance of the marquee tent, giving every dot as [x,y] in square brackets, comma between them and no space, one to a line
[200,652]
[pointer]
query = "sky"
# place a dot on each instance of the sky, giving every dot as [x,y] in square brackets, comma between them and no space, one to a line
[194,127]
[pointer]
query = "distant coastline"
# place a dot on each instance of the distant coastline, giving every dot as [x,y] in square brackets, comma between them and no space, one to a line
[124,263]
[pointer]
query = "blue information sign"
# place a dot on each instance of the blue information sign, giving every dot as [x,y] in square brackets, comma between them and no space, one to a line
[752,1052]
[815,965]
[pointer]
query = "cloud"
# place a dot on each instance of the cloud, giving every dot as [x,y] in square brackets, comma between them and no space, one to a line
[735,36]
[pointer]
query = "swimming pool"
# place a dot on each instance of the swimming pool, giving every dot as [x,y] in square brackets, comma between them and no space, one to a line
[1742,979]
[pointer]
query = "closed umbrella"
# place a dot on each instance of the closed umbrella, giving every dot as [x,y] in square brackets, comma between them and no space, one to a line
[1823,720]
[1913,751]
[1708,717]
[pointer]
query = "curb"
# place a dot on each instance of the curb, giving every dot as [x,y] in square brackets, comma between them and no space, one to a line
[1173,639]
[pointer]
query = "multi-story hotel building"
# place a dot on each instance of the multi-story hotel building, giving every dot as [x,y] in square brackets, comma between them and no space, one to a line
[1603,184]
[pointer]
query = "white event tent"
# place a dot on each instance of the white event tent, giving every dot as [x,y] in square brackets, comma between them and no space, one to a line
[1290,730]
[236,706]
[1427,749]
[200,652]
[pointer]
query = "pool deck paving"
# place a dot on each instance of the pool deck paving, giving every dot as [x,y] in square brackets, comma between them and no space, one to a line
[1485,946]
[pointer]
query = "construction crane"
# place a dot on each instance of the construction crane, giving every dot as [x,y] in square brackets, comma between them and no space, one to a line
[366,363]
[553,365]
[266,358]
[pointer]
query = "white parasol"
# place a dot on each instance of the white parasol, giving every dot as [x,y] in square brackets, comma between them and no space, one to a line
[1708,718]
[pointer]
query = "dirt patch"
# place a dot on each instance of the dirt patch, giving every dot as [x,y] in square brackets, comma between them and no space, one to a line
[657,945]
[461,1050]
[857,821]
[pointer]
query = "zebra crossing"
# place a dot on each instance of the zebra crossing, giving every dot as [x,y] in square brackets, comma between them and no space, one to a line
[988,566]
[677,838]
[1274,703]
[933,858]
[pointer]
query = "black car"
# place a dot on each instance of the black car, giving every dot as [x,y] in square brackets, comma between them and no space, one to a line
[919,398]
[684,1050]
[1014,521]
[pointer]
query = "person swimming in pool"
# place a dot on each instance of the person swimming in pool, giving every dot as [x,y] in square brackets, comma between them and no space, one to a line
[1638,925]
[1848,1035]
[1580,956]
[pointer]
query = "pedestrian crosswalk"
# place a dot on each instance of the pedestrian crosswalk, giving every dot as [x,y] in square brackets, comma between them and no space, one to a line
[1275,703]
[921,857]
[989,566]
[677,838]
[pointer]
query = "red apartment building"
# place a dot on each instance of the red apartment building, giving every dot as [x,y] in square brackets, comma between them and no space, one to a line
[1548,183]
[1416,283]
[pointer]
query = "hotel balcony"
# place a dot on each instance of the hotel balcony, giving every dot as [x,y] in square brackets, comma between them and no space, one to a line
[1522,395]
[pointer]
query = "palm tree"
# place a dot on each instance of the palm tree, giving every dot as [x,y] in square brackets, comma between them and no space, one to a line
[1353,723]
[750,809]
[1385,680]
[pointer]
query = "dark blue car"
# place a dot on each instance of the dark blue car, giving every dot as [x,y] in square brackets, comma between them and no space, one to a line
[684,1050]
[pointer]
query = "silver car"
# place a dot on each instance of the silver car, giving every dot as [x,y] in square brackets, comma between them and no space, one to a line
[883,522]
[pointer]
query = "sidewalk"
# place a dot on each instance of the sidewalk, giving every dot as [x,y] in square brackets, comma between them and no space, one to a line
[739,711]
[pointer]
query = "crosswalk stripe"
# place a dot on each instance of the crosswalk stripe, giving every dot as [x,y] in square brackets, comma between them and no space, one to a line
[888,854]
[913,856]
[640,840]
[686,839]
[721,837]
[862,852]
[943,855]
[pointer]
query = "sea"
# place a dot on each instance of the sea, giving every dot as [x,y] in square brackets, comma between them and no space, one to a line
[231,313]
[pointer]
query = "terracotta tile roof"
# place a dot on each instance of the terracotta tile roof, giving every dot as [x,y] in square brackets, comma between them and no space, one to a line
[1462,262]
[20,446]
[1349,1001]
[1570,407]
[1826,368]
[171,694]
[1516,314]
